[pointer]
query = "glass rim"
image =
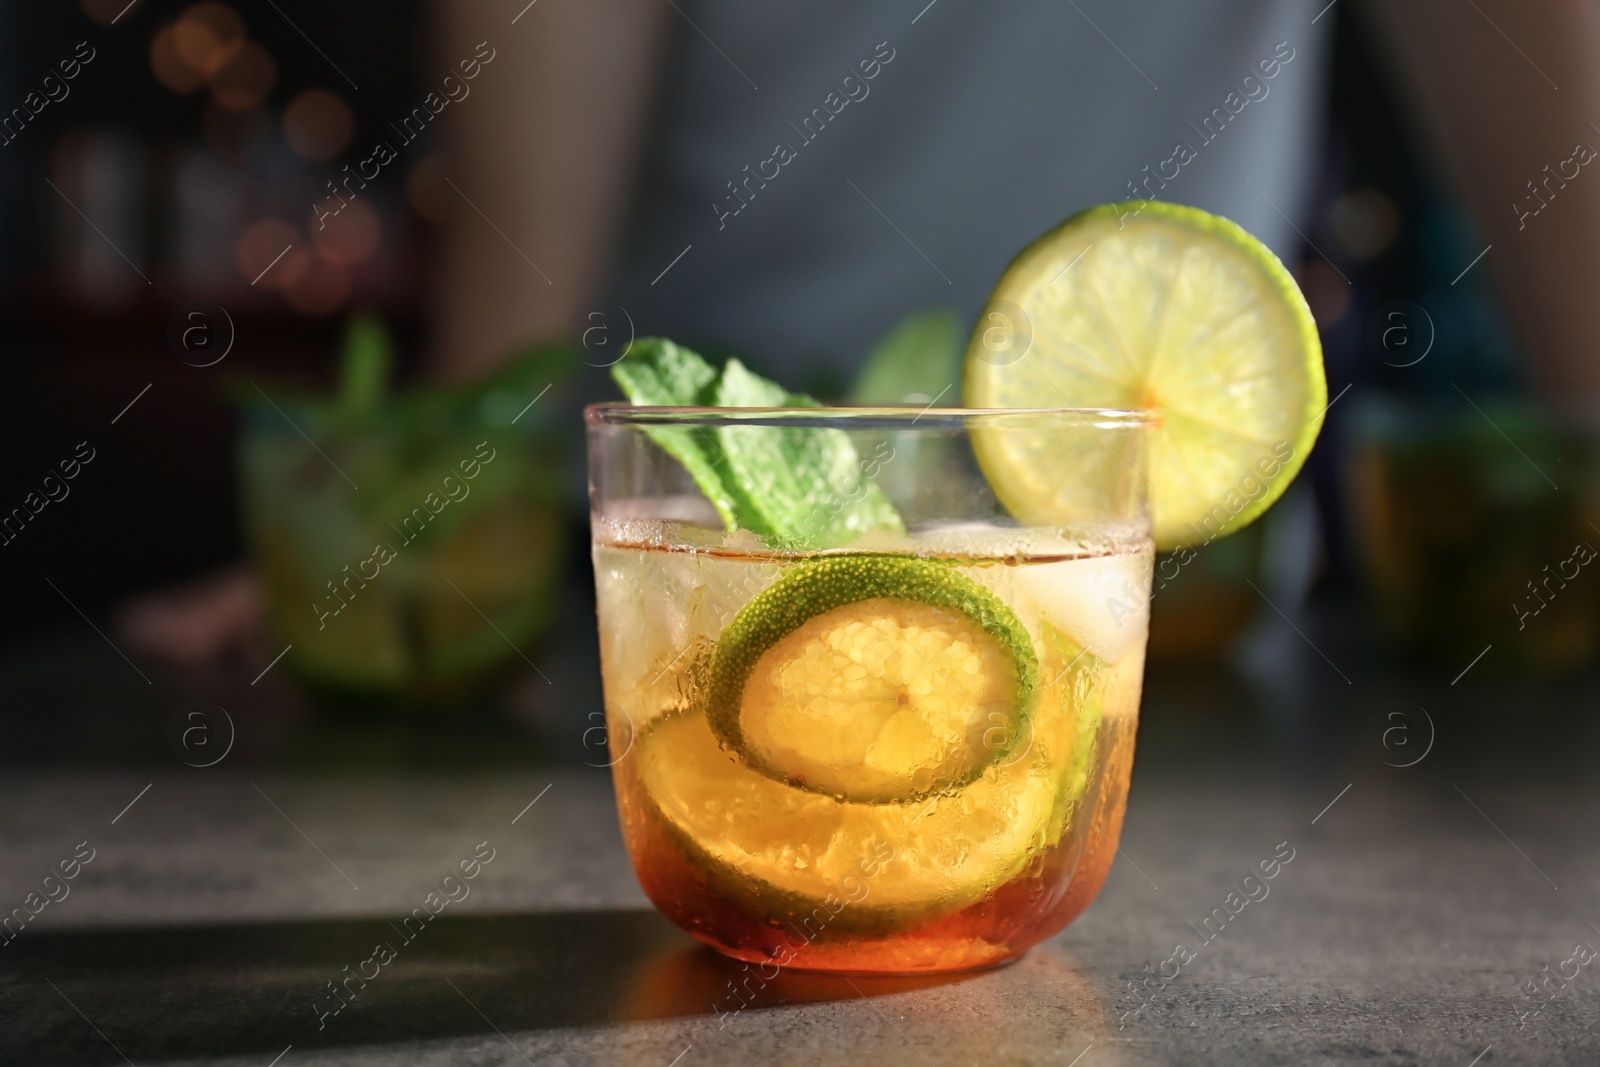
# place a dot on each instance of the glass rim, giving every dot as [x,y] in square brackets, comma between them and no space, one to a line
[621,413]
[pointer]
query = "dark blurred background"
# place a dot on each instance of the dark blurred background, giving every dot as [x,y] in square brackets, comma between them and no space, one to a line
[201,189]
[186,158]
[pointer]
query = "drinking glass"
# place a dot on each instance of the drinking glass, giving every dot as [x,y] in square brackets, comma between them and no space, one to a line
[873,751]
[416,591]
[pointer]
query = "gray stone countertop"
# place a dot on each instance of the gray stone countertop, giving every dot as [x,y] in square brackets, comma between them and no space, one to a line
[1419,902]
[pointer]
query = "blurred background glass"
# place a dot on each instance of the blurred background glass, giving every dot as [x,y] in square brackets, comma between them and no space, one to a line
[409,546]
[1465,542]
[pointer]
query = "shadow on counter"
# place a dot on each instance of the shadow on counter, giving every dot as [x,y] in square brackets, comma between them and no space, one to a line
[161,993]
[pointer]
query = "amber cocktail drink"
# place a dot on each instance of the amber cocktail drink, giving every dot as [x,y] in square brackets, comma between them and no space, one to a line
[892,733]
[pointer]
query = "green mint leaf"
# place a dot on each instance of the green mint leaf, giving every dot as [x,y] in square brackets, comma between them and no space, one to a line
[658,373]
[798,488]
[807,485]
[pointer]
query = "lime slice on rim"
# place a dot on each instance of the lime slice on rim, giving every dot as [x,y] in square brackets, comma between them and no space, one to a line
[873,678]
[1152,305]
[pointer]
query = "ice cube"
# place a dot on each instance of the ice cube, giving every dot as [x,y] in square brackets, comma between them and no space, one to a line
[643,623]
[1102,601]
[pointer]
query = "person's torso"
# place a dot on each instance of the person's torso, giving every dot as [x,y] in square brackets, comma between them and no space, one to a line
[818,171]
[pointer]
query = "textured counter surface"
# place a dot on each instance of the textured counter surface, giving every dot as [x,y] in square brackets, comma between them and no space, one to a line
[1418,901]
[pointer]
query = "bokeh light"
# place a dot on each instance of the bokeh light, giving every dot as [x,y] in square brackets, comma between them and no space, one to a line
[318,124]
[263,242]
[107,12]
[1364,222]
[350,236]
[241,74]
[429,195]
[168,65]
[202,29]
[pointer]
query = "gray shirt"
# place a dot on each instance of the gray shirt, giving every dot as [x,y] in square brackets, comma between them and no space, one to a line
[819,170]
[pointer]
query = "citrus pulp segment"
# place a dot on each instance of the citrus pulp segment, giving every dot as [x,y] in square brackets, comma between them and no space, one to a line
[781,850]
[873,678]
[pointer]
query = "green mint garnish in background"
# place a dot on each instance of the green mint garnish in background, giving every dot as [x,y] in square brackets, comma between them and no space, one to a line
[399,443]
[917,361]
[364,365]
[795,488]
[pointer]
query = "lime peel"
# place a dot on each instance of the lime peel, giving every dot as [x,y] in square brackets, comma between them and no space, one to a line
[876,678]
[1161,306]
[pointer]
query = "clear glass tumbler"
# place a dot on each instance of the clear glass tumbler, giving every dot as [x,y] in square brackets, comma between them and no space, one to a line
[411,593]
[883,748]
